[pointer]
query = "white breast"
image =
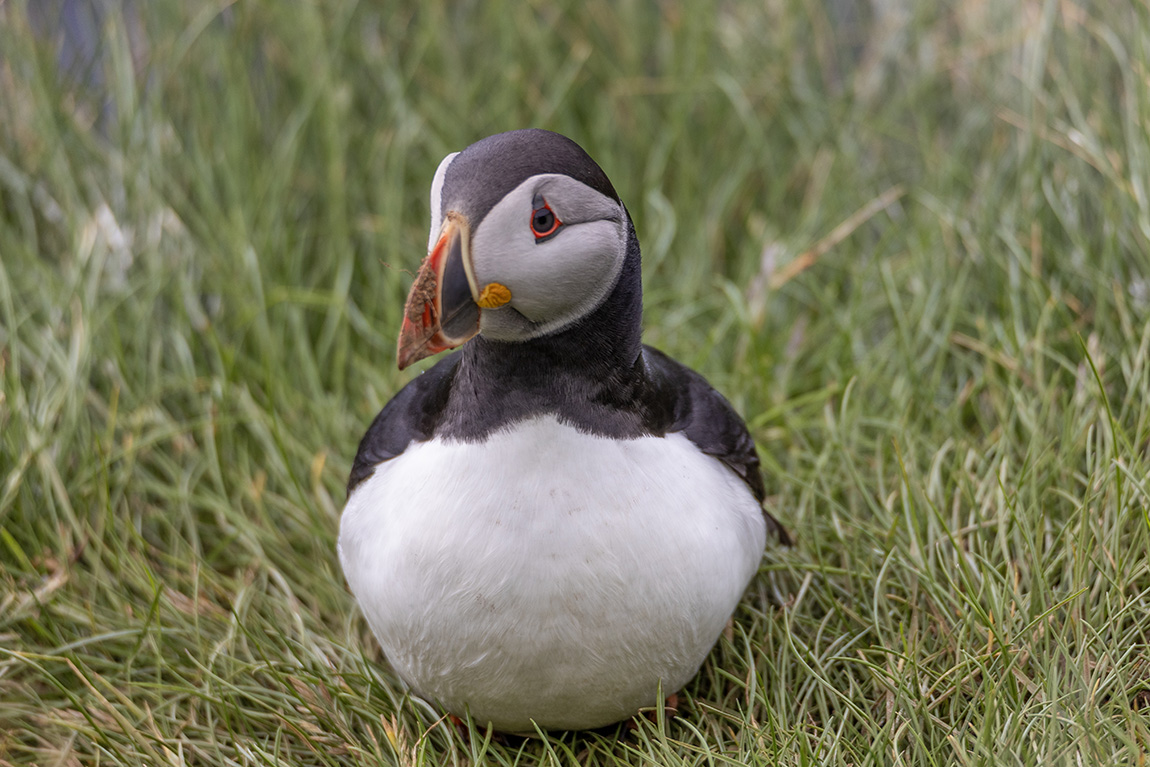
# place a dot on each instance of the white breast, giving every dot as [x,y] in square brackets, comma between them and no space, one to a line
[547,574]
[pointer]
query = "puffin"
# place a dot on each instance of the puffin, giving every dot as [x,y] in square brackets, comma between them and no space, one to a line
[551,526]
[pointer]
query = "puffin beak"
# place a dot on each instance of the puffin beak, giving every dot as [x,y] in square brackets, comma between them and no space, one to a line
[442,310]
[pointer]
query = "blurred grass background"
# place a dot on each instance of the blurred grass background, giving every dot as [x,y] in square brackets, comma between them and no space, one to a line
[910,241]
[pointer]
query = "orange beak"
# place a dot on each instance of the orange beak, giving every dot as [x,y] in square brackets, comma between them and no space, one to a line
[441,312]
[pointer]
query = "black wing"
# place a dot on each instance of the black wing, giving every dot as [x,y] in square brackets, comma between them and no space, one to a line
[411,415]
[708,420]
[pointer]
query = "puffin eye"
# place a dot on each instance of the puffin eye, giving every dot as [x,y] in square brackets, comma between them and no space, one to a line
[544,223]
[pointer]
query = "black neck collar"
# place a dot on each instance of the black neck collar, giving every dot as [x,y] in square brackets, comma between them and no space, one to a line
[590,375]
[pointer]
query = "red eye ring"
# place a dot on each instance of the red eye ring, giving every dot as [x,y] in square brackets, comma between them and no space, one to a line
[544,222]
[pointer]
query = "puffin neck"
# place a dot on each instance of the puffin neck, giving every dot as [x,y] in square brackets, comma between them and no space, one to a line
[602,344]
[588,373]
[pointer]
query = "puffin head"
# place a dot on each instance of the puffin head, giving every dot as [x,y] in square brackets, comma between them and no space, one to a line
[527,237]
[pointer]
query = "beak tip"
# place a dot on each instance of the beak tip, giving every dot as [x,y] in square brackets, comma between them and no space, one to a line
[412,345]
[403,360]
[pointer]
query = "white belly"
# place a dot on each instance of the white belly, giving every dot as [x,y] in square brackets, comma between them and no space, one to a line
[549,575]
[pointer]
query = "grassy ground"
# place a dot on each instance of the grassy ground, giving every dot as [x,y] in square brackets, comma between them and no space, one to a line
[911,244]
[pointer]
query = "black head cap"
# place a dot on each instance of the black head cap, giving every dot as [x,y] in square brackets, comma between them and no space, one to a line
[483,173]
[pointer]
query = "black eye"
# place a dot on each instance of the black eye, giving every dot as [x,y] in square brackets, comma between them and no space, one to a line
[544,222]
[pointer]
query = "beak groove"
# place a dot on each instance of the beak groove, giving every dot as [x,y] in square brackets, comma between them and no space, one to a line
[441,311]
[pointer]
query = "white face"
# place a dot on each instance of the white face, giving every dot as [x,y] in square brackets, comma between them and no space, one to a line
[553,280]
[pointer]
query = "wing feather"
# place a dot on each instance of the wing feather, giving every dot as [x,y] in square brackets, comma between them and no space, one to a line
[410,416]
[708,420]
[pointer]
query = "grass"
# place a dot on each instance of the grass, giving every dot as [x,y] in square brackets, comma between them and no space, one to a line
[910,242]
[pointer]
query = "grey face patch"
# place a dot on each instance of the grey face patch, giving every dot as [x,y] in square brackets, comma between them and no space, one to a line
[554,280]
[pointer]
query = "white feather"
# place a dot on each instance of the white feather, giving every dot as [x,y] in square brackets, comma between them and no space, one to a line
[547,574]
[437,201]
